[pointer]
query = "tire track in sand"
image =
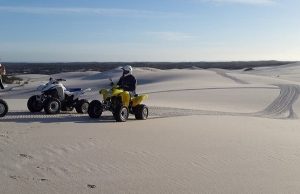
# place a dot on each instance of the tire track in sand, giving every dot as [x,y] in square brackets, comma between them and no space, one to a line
[280,108]
[224,74]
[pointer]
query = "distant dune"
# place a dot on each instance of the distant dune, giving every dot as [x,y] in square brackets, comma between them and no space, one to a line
[52,68]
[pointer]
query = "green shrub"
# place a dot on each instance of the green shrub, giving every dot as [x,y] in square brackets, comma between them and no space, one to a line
[10,79]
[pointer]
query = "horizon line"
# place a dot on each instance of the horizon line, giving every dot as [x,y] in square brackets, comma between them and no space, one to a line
[204,61]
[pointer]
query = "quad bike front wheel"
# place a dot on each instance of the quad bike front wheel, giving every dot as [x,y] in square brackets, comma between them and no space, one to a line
[34,104]
[141,112]
[121,114]
[95,109]
[52,106]
[82,106]
[3,108]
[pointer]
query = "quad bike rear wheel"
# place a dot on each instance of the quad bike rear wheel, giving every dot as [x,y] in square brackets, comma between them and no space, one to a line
[82,106]
[95,109]
[34,105]
[3,108]
[52,106]
[141,112]
[121,114]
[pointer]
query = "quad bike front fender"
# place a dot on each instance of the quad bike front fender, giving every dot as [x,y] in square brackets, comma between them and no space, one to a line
[116,91]
[104,93]
[109,93]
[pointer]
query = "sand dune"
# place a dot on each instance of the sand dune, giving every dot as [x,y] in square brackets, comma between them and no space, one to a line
[209,131]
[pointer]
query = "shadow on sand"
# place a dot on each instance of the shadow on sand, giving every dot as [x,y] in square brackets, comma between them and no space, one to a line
[68,117]
[27,117]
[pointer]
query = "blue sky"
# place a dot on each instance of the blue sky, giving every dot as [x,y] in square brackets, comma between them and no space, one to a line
[156,30]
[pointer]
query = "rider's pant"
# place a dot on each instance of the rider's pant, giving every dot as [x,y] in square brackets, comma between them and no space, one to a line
[1,83]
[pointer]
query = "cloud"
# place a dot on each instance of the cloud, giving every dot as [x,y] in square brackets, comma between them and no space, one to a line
[171,36]
[87,11]
[253,2]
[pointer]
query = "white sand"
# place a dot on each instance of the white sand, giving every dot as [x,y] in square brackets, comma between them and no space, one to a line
[210,131]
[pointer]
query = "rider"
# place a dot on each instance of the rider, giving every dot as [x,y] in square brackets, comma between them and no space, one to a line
[2,72]
[128,83]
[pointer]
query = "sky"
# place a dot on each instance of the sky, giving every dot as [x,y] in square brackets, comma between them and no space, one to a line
[156,30]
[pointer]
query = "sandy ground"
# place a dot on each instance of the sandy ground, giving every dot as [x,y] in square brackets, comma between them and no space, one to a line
[209,131]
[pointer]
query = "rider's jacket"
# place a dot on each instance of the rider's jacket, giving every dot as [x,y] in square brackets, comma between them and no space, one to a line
[127,83]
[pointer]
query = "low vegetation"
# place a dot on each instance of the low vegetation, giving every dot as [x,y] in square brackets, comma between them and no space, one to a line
[7,79]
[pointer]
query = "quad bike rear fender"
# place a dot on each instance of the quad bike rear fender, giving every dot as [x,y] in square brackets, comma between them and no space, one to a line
[138,100]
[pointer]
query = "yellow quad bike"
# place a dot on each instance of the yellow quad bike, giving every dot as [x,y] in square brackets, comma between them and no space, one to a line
[120,103]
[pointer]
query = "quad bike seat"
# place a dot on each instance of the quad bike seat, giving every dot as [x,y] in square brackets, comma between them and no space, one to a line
[74,89]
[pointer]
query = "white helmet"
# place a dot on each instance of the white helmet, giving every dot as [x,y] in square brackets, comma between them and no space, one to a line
[127,70]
